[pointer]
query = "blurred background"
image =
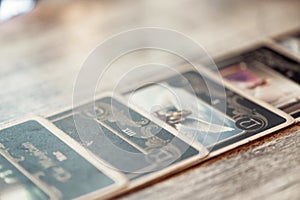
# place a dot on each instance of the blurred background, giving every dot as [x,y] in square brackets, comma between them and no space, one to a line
[43,43]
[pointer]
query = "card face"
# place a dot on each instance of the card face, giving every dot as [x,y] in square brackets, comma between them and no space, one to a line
[291,43]
[242,120]
[266,75]
[207,132]
[51,161]
[15,185]
[127,140]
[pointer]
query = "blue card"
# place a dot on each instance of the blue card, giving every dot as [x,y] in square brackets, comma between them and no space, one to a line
[51,159]
[15,185]
[126,139]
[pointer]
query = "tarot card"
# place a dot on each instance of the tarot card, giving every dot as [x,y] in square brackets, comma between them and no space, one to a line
[244,119]
[290,42]
[266,75]
[16,185]
[208,133]
[128,140]
[58,164]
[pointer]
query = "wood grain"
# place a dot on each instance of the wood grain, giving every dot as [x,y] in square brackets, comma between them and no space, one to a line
[265,169]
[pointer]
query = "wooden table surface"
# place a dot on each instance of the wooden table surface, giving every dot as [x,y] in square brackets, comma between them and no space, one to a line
[41,54]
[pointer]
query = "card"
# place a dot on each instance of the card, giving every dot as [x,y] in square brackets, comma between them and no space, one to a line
[266,75]
[291,43]
[58,164]
[127,139]
[209,127]
[15,185]
[244,119]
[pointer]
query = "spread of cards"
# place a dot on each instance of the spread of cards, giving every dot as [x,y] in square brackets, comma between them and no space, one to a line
[126,145]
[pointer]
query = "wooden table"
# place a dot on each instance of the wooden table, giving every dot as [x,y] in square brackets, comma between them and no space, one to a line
[41,54]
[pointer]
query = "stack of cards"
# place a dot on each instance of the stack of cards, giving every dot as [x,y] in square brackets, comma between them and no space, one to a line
[102,148]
